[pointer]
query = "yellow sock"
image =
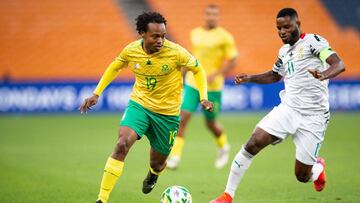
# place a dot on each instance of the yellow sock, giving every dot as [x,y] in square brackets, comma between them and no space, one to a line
[221,141]
[156,173]
[178,147]
[112,171]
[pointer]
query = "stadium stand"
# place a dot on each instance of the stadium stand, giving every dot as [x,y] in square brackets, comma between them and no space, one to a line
[253,26]
[60,40]
[72,40]
[346,12]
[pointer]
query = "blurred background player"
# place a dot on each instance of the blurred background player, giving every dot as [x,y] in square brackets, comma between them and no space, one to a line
[215,48]
[306,62]
[157,65]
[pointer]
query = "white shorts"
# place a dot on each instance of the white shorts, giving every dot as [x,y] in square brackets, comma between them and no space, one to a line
[308,130]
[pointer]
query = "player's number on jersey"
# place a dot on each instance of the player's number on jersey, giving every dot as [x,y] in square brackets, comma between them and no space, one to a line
[290,68]
[150,83]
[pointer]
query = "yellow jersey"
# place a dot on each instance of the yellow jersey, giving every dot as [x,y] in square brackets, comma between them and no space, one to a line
[159,83]
[211,48]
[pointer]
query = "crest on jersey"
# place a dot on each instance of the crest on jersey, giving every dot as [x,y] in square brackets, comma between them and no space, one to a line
[165,68]
[300,54]
[137,66]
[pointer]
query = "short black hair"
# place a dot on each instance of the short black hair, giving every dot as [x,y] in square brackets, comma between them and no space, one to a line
[212,6]
[287,12]
[145,18]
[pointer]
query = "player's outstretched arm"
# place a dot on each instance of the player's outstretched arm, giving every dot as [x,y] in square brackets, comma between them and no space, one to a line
[190,63]
[200,79]
[109,75]
[263,78]
[336,67]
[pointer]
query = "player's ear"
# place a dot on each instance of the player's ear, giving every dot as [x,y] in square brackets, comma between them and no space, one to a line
[298,22]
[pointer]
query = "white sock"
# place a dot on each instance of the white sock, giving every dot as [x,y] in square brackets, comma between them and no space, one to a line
[239,165]
[316,170]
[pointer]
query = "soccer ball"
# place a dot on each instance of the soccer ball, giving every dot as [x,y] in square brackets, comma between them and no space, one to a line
[176,194]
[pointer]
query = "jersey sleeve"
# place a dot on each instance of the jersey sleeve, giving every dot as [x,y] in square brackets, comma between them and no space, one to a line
[230,47]
[319,47]
[190,63]
[112,72]
[185,59]
[122,57]
[278,66]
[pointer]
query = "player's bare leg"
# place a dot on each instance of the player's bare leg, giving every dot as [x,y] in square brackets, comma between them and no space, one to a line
[221,142]
[176,152]
[258,141]
[302,171]
[157,165]
[127,137]
[316,173]
[115,163]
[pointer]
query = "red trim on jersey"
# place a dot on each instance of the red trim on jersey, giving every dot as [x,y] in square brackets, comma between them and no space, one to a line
[302,35]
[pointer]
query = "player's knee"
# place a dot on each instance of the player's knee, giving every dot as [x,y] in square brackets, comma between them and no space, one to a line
[302,177]
[254,145]
[183,120]
[122,147]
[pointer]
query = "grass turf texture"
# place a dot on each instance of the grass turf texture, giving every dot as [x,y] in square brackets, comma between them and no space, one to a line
[60,158]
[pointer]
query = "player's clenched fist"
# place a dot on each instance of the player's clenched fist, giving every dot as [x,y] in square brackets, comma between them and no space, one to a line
[88,103]
[241,78]
[207,105]
[317,74]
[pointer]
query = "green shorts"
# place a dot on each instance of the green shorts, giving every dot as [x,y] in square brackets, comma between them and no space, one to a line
[161,130]
[191,101]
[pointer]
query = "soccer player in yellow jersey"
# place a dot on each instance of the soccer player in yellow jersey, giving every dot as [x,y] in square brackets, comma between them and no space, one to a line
[215,48]
[154,106]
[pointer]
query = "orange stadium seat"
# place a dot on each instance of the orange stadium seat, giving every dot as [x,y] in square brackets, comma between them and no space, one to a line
[60,39]
[253,25]
[71,40]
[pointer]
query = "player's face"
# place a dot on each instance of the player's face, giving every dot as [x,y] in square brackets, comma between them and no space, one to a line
[211,17]
[288,29]
[154,37]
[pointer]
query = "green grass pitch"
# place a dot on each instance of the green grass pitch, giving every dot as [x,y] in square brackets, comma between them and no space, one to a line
[60,158]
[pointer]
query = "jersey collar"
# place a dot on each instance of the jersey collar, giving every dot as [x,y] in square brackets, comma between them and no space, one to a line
[297,42]
[302,35]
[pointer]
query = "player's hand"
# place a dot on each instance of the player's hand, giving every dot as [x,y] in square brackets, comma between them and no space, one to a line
[88,103]
[207,105]
[317,74]
[241,78]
